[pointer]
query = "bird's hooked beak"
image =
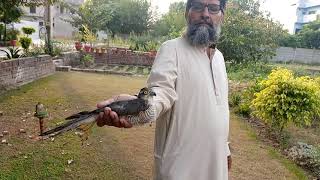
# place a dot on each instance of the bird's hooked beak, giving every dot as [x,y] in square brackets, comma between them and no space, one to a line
[152,93]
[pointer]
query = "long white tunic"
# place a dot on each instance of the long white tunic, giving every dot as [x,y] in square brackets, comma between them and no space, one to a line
[192,113]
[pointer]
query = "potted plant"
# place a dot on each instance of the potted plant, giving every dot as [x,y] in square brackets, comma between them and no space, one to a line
[87,60]
[12,36]
[87,48]
[78,45]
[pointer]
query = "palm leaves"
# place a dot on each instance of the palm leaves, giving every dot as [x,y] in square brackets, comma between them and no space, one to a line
[12,53]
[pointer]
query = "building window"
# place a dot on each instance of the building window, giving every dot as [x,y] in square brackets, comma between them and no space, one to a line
[33,9]
[312,12]
[40,23]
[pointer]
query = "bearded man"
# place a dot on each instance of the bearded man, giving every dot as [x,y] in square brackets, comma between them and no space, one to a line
[191,104]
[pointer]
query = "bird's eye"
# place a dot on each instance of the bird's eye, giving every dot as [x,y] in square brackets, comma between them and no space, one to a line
[145,92]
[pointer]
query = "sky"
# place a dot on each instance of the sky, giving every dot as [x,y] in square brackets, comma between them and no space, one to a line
[280,10]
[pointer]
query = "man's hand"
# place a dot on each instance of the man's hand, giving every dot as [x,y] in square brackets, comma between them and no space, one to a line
[111,118]
[229,162]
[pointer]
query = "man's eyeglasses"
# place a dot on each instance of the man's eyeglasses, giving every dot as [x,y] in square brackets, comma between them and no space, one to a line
[199,7]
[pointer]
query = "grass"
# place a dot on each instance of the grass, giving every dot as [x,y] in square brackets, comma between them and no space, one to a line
[293,168]
[30,159]
[249,72]
[110,153]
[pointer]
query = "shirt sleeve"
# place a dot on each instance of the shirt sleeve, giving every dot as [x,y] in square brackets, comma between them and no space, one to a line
[162,78]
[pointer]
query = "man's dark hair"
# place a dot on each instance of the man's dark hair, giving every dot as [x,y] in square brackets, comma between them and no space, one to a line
[222,5]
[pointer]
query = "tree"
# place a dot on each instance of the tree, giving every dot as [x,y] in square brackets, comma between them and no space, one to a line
[130,16]
[9,12]
[93,14]
[310,35]
[172,22]
[248,35]
[47,4]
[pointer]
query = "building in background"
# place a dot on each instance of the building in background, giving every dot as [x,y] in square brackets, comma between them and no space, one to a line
[35,17]
[307,11]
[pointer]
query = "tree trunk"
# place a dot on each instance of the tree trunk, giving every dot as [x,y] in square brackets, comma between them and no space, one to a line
[5,33]
[48,28]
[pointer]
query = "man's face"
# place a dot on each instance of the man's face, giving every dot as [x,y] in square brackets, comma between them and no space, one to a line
[204,22]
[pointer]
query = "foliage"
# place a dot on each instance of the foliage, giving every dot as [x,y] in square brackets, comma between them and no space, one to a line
[35,51]
[307,156]
[87,60]
[235,99]
[86,35]
[12,52]
[248,71]
[241,101]
[117,17]
[284,99]
[10,12]
[248,35]
[12,34]
[172,23]
[144,43]
[130,16]
[28,30]
[25,43]
[308,37]
[94,14]
[1,30]
[291,41]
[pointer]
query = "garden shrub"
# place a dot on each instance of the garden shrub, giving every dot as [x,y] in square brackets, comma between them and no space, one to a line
[284,99]
[143,43]
[241,101]
[28,30]
[25,43]
[235,99]
[248,71]
[12,34]
[87,60]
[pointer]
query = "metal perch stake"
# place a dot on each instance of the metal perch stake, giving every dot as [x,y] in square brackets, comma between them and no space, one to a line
[41,113]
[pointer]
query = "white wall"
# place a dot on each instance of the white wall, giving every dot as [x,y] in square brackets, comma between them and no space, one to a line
[35,24]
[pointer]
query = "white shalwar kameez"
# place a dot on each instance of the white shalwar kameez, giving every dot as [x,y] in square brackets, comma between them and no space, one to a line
[192,113]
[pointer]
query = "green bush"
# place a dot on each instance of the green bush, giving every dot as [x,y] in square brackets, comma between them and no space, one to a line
[235,99]
[87,60]
[35,51]
[248,71]
[284,99]
[25,43]
[28,30]
[12,34]
[144,43]
[241,101]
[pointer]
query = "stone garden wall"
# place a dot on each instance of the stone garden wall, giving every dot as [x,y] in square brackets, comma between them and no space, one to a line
[14,73]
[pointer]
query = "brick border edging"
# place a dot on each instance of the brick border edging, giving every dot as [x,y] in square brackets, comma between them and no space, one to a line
[102,71]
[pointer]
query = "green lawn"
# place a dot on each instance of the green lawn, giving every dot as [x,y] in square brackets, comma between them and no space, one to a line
[110,153]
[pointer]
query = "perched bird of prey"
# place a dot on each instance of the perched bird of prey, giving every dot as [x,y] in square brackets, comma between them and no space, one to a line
[86,119]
